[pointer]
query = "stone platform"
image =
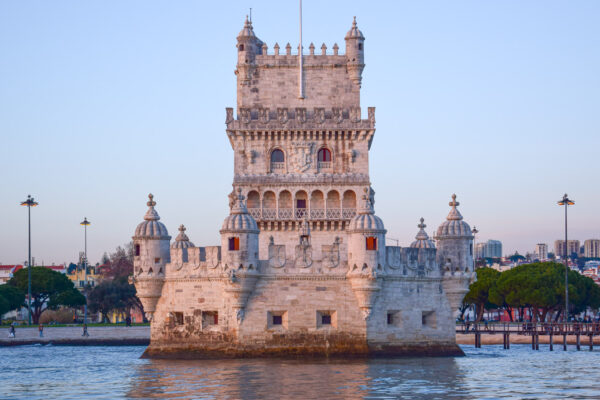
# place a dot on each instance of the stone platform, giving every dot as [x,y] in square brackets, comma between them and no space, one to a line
[71,336]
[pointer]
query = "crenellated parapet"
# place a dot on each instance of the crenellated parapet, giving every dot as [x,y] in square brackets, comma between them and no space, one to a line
[408,261]
[299,118]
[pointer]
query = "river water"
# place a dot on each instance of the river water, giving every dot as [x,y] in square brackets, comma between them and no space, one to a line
[49,372]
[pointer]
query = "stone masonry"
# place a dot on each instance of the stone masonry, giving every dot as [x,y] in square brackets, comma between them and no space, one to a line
[303,267]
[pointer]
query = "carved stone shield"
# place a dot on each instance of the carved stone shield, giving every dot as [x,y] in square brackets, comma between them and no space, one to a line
[282,115]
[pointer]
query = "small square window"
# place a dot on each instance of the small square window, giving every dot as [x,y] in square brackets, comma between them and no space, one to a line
[326,319]
[178,318]
[157,260]
[277,319]
[210,318]
[371,243]
[234,243]
[428,319]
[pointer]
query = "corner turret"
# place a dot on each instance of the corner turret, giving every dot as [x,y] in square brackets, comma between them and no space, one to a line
[249,46]
[151,254]
[355,53]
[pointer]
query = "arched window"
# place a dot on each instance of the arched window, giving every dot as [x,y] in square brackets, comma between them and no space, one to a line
[277,156]
[277,161]
[324,155]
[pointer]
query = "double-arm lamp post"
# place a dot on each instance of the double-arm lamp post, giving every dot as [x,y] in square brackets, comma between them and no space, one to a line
[566,202]
[29,203]
[85,224]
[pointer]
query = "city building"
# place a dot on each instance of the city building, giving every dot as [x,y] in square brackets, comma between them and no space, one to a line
[7,271]
[541,251]
[303,266]
[591,248]
[489,249]
[559,248]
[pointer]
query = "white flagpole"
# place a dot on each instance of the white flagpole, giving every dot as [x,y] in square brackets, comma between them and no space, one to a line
[300,58]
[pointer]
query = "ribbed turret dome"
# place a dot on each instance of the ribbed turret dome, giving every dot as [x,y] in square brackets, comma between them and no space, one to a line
[423,241]
[247,30]
[454,224]
[366,220]
[239,219]
[354,32]
[182,241]
[151,227]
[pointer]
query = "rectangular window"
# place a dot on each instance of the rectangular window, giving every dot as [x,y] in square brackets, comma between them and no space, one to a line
[326,319]
[156,260]
[234,243]
[210,318]
[371,243]
[390,318]
[178,318]
[137,250]
[277,320]
[394,318]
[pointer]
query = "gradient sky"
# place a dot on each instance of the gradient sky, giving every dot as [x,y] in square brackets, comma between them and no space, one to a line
[102,102]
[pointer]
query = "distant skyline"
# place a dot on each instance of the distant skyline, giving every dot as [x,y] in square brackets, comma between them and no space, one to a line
[102,103]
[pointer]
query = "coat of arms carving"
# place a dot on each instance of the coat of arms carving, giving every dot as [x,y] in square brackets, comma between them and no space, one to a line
[282,115]
[302,156]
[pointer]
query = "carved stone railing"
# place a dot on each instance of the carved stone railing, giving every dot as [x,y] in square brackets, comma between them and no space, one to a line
[273,214]
[324,166]
[277,166]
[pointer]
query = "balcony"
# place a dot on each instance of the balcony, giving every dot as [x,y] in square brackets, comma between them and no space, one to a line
[277,167]
[324,166]
[315,214]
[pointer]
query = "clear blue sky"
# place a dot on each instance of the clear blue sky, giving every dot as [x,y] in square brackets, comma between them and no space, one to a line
[102,102]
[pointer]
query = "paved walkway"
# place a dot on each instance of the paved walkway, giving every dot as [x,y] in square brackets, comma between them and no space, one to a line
[102,335]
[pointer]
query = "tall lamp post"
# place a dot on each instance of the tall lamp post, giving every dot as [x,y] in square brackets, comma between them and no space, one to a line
[566,202]
[85,224]
[29,203]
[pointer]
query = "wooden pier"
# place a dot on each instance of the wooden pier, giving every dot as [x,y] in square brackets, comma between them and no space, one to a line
[534,330]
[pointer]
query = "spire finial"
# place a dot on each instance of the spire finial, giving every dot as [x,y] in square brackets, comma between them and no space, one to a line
[151,202]
[454,203]
[422,225]
[181,228]
[354,22]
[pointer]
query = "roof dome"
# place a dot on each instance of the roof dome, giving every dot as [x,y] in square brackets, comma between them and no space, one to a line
[182,241]
[454,224]
[354,32]
[239,219]
[422,241]
[366,220]
[151,227]
[247,30]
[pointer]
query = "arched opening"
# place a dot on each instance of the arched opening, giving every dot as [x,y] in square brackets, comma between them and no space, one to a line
[137,250]
[324,159]
[301,204]
[333,205]
[286,208]
[277,160]
[269,205]
[241,47]
[317,205]
[254,204]
[349,204]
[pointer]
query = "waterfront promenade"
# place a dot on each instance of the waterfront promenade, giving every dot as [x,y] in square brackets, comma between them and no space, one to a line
[72,335]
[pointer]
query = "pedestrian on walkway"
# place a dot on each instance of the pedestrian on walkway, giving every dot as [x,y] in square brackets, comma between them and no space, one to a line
[41,329]
[85,331]
[12,332]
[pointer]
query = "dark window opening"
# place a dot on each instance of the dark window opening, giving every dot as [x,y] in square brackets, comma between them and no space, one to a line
[178,317]
[241,47]
[277,319]
[137,249]
[325,319]
[156,260]
[234,243]
[210,318]
[360,46]
[324,155]
[300,203]
[277,156]
[371,243]
[390,318]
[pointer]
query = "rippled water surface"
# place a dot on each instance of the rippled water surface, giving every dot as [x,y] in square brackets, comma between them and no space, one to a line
[48,372]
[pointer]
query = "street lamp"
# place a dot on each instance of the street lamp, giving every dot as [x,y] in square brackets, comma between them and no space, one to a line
[566,202]
[29,203]
[474,231]
[85,224]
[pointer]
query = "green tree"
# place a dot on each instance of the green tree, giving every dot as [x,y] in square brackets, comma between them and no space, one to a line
[49,289]
[15,297]
[479,291]
[113,295]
